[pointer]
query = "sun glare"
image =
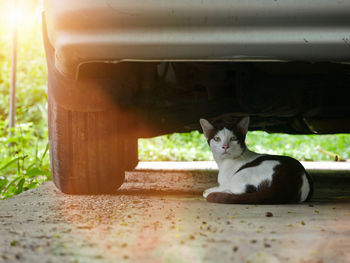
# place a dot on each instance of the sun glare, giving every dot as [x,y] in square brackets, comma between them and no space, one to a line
[17,16]
[20,13]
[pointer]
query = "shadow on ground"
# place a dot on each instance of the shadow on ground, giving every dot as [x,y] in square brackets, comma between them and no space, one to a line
[160,216]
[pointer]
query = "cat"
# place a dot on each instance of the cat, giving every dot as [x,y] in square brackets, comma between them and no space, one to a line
[246,177]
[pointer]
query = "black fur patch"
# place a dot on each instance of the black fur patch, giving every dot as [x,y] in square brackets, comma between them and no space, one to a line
[246,198]
[250,188]
[240,137]
[211,134]
[240,134]
[264,185]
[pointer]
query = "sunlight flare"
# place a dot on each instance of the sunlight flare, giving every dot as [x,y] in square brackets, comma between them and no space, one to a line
[17,16]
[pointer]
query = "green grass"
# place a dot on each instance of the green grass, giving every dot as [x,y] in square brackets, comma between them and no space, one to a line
[25,164]
[193,146]
[175,147]
[301,147]
[24,159]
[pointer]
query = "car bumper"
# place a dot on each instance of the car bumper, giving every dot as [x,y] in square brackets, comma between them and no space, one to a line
[85,31]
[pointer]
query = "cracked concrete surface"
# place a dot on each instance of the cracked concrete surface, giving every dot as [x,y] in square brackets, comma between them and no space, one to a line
[160,216]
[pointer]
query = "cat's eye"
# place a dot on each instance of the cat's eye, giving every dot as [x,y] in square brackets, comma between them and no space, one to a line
[217,139]
[233,139]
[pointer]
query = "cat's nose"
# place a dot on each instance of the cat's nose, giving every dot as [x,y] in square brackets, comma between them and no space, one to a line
[225,147]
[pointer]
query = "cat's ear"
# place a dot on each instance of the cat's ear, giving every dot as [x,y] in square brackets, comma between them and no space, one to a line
[207,127]
[243,124]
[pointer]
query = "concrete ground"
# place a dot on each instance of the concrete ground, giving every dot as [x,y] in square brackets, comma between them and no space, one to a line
[160,216]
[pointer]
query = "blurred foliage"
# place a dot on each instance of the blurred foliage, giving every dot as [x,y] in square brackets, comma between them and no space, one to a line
[301,147]
[24,160]
[193,146]
[175,147]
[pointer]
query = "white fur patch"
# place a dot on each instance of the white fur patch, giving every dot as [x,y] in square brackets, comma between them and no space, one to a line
[305,189]
[253,176]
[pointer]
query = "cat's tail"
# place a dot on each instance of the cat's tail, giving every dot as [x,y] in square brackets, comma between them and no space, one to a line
[263,197]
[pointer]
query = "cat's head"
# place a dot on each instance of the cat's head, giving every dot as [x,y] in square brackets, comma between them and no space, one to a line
[227,142]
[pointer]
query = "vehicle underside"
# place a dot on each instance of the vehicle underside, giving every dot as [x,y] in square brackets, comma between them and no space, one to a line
[121,70]
[289,97]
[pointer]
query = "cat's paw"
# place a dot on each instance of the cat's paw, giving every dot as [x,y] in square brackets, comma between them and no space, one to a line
[206,193]
[213,190]
[209,190]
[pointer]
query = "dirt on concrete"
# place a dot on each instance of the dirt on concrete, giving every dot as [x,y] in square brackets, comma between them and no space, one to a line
[160,216]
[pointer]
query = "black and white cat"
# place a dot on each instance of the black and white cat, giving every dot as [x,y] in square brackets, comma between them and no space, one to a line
[246,177]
